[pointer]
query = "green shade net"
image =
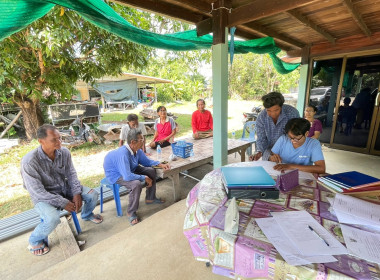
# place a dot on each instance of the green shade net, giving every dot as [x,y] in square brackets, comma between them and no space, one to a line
[17,14]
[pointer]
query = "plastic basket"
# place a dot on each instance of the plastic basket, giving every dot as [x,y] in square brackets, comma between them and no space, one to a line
[180,151]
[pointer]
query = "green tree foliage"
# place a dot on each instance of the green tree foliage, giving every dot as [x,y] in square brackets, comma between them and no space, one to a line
[183,69]
[323,78]
[44,61]
[253,75]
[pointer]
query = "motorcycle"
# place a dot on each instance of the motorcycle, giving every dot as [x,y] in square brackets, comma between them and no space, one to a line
[72,138]
[252,116]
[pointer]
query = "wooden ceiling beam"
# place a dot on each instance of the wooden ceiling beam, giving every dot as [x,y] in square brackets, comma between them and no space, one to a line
[163,8]
[199,6]
[357,17]
[353,43]
[263,8]
[304,20]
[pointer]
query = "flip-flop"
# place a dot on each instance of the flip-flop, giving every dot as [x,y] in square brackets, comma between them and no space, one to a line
[32,250]
[155,201]
[132,218]
[95,219]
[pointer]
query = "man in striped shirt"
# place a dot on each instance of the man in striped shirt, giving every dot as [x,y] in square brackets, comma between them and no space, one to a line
[271,122]
[50,178]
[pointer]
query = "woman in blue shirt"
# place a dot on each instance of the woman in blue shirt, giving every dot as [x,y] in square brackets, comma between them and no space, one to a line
[295,150]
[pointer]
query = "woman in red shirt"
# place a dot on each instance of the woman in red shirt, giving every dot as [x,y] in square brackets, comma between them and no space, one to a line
[165,128]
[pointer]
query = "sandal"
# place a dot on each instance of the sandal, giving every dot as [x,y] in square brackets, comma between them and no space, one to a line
[155,201]
[132,218]
[42,247]
[96,219]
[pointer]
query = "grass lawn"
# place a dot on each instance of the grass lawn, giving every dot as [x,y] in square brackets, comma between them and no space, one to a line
[88,158]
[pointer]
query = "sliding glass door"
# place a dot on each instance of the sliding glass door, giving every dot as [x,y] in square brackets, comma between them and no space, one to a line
[345,92]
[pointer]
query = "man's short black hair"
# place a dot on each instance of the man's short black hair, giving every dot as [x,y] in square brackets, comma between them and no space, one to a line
[273,98]
[297,126]
[132,117]
[347,100]
[43,129]
[200,99]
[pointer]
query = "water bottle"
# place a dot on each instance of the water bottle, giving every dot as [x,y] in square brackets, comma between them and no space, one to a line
[191,158]
[159,153]
[233,133]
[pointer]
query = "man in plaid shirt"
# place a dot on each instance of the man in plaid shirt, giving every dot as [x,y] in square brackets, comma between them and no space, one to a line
[50,178]
[271,122]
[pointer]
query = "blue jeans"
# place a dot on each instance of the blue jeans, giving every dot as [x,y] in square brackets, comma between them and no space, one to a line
[50,216]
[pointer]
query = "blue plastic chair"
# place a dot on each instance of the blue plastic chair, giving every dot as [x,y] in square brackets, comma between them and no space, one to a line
[116,195]
[250,128]
[76,223]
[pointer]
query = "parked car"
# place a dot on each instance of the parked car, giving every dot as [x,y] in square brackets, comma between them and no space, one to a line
[319,94]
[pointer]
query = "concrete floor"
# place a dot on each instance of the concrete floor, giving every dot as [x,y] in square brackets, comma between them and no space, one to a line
[154,249]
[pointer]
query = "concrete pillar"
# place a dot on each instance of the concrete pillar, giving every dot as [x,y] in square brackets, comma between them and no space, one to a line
[304,72]
[220,102]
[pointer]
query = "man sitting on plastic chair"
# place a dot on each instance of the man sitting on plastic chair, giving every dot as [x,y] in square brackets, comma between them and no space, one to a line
[250,128]
[128,166]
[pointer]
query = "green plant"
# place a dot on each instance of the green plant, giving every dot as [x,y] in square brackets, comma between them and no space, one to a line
[15,206]
[42,62]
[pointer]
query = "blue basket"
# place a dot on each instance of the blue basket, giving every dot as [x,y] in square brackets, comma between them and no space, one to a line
[180,151]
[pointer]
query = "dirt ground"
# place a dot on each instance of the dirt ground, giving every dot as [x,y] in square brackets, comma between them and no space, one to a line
[92,165]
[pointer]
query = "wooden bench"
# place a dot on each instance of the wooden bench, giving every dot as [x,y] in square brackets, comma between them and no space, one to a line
[29,219]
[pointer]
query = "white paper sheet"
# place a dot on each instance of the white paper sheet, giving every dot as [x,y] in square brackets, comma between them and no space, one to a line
[268,166]
[364,244]
[356,211]
[286,248]
[295,225]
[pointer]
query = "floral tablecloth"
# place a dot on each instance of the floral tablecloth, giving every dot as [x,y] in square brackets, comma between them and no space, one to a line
[249,255]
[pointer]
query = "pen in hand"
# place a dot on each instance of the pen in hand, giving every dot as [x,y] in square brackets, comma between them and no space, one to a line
[319,236]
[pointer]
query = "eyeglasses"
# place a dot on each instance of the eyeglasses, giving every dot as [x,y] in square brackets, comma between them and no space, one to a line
[296,139]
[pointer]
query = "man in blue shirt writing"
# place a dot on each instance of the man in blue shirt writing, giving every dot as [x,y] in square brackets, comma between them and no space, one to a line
[128,166]
[294,150]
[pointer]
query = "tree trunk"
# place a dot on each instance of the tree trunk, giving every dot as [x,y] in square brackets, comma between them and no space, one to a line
[31,113]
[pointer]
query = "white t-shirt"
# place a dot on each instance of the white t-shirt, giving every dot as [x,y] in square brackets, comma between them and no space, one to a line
[125,129]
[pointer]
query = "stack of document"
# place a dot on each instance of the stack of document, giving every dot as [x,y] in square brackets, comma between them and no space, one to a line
[350,182]
[300,239]
[361,243]
[248,183]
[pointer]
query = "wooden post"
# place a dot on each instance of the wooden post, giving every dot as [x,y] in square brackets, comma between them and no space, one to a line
[11,124]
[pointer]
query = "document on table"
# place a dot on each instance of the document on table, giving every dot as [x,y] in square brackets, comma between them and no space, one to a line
[286,249]
[299,238]
[361,243]
[352,210]
[296,225]
[268,166]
